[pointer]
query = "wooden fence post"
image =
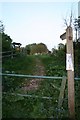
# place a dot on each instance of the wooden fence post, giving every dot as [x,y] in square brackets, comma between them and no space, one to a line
[68,35]
[61,95]
[70,72]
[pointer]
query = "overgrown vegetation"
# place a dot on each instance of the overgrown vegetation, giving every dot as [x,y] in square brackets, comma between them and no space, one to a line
[15,106]
[28,107]
[20,64]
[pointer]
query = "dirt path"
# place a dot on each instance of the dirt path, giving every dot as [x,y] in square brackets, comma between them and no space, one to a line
[34,83]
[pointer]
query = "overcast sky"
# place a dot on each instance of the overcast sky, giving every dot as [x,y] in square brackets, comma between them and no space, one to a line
[36,22]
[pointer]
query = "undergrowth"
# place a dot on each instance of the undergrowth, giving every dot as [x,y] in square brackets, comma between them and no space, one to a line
[30,107]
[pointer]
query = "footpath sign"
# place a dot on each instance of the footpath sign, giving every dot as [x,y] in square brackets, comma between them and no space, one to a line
[69,62]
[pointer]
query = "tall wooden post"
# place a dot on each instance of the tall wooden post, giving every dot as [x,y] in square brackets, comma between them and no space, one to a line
[68,35]
[70,72]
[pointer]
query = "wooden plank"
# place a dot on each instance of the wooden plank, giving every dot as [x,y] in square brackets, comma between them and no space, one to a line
[63,36]
[61,95]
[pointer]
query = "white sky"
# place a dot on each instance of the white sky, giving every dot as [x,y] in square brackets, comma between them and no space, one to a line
[36,22]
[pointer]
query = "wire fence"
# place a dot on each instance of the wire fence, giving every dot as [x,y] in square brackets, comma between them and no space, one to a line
[58,109]
[34,96]
[10,54]
[33,76]
[59,112]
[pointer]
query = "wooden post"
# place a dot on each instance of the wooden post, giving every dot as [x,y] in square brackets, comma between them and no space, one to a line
[61,95]
[68,35]
[70,72]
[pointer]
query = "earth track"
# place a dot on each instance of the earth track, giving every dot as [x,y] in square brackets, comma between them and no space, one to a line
[33,84]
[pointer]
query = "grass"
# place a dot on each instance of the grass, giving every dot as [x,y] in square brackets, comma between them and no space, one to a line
[22,64]
[53,66]
[17,65]
[22,107]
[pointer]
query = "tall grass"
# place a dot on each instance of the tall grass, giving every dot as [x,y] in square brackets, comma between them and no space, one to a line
[21,64]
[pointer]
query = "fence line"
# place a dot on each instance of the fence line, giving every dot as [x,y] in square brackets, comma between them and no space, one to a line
[6,52]
[8,55]
[31,96]
[3,54]
[62,89]
[33,76]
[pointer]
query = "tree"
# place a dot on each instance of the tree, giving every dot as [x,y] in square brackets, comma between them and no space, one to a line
[6,42]
[30,48]
[77,46]
[36,48]
[1,27]
[68,22]
[61,46]
[54,51]
[41,48]
[79,22]
[77,26]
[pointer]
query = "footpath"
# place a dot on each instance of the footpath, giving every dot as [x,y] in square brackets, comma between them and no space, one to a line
[33,84]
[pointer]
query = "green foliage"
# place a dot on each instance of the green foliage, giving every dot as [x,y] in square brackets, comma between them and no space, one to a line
[55,70]
[55,65]
[36,48]
[79,22]
[61,46]
[15,106]
[1,27]
[41,48]
[19,64]
[6,42]
[28,49]
[18,107]
[77,58]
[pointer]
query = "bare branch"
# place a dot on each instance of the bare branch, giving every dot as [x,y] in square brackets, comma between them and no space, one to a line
[65,22]
[71,18]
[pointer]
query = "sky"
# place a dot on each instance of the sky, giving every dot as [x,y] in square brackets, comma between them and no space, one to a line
[36,22]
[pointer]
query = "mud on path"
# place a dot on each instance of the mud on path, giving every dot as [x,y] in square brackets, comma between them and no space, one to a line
[33,84]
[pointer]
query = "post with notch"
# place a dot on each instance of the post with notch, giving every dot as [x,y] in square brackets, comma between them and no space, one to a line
[68,35]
